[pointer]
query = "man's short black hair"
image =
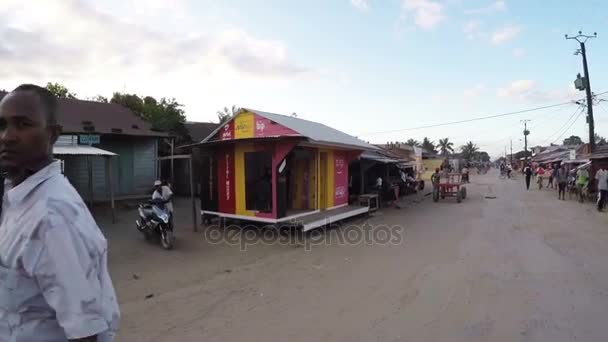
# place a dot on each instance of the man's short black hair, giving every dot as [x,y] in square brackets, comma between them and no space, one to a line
[48,100]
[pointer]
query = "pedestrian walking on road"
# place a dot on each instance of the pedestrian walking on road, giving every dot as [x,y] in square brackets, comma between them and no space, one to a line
[562,180]
[550,174]
[602,186]
[582,181]
[528,172]
[54,279]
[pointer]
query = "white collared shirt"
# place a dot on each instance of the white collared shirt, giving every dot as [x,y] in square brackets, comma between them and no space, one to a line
[54,280]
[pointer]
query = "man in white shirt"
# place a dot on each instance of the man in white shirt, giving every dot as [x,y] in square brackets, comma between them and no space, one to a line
[602,186]
[163,191]
[54,280]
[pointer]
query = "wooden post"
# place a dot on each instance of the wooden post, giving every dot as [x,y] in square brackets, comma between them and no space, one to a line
[109,185]
[192,194]
[90,171]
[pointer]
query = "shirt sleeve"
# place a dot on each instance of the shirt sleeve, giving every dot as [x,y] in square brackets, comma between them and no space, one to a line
[67,274]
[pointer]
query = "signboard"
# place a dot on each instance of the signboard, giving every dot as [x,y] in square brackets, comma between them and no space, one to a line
[572,154]
[227,200]
[89,139]
[340,179]
[248,125]
[243,126]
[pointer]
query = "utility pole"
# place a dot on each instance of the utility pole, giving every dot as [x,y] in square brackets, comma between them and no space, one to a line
[582,39]
[511,158]
[526,133]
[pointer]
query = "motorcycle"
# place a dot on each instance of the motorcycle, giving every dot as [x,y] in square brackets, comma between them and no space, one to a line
[155,220]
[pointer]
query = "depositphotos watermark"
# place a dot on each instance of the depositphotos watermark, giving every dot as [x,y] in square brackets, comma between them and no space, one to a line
[346,235]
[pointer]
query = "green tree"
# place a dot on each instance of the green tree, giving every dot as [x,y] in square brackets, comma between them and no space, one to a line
[99,98]
[413,143]
[429,145]
[446,146]
[469,150]
[164,115]
[573,140]
[226,114]
[600,140]
[60,91]
[483,156]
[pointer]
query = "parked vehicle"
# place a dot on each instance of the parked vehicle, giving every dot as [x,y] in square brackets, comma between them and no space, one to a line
[155,221]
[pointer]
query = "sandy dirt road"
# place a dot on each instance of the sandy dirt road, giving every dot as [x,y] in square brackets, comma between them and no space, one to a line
[521,267]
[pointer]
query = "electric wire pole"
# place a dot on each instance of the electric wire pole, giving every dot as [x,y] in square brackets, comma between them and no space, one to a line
[511,158]
[526,133]
[582,39]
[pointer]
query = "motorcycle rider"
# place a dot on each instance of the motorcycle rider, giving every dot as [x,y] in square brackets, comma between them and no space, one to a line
[164,193]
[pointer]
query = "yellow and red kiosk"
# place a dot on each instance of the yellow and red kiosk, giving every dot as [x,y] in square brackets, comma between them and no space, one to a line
[279,169]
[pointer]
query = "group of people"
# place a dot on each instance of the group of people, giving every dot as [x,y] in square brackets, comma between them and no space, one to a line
[560,175]
[578,180]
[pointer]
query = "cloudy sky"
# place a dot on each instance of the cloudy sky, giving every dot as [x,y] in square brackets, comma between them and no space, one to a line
[362,66]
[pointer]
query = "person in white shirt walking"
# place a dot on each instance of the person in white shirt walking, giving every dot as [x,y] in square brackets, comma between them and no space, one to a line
[54,280]
[602,186]
[163,191]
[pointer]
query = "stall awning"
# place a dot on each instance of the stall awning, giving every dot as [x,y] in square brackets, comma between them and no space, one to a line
[377,157]
[81,150]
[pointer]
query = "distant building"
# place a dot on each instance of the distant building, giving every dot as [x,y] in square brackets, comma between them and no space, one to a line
[112,131]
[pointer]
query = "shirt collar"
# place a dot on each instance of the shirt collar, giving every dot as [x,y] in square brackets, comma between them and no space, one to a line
[17,194]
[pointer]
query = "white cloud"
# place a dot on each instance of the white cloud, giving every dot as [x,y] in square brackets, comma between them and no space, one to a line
[496,6]
[474,92]
[517,88]
[470,26]
[101,52]
[531,91]
[427,13]
[361,5]
[519,52]
[505,34]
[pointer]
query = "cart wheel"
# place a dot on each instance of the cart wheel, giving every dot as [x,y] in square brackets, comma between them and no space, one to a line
[464,192]
[435,195]
[459,196]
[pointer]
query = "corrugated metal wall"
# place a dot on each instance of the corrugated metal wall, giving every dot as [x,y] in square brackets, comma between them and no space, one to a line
[133,171]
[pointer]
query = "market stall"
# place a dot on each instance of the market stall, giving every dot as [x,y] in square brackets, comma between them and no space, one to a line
[279,169]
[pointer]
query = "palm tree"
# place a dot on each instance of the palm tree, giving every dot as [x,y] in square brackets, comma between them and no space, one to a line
[446,146]
[413,143]
[469,150]
[226,114]
[429,145]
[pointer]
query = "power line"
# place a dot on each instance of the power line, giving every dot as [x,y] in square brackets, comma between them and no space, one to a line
[567,129]
[468,120]
[564,125]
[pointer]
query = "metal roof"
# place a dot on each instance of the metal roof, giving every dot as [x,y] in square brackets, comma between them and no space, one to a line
[315,131]
[81,150]
[82,116]
[378,157]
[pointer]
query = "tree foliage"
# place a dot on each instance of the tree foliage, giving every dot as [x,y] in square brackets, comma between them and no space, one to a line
[164,115]
[469,151]
[446,146]
[573,140]
[413,143]
[600,140]
[226,114]
[99,98]
[60,91]
[429,145]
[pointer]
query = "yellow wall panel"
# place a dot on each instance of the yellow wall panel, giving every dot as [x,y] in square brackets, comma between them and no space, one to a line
[244,126]
[239,178]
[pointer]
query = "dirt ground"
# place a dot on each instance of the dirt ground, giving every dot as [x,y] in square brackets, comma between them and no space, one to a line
[522,266]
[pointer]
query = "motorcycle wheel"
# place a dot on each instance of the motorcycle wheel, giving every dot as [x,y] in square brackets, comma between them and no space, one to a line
[421,185]
[166,240]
